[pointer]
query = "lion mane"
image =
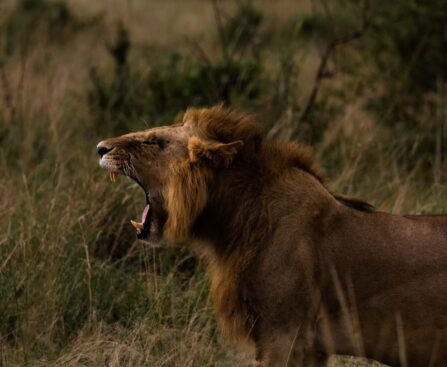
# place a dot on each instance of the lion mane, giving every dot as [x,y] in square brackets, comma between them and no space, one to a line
[222,135]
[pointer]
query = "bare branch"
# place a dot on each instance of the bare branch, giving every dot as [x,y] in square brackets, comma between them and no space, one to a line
[220,28]
[322,71]
[200,51]
[7,93]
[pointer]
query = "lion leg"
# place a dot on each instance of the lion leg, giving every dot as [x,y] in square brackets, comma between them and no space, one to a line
[316,359]
[310,360]
[286,350]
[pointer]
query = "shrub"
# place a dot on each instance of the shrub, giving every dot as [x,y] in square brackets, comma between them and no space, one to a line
[120,97]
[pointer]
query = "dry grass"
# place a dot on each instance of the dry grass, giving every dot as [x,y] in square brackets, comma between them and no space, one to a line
[75,287]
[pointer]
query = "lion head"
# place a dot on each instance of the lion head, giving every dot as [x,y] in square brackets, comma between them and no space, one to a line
[177,165]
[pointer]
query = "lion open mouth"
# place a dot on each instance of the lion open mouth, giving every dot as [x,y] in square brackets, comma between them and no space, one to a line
[143,228]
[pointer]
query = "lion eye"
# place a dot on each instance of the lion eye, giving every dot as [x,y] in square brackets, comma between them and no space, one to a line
[155,141]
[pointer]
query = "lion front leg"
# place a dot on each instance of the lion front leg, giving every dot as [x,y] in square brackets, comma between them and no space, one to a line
[286,350]
[309,360]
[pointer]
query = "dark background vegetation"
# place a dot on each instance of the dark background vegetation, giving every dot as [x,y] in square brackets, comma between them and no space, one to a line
[364,83]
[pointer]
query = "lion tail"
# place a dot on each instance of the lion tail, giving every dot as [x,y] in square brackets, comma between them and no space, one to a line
[355,203]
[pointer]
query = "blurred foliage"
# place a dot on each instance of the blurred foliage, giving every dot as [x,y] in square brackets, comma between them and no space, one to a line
[401,56]
[178,81]
[33,19]
[321,26]
[409,42]
[396,67]
[241,30]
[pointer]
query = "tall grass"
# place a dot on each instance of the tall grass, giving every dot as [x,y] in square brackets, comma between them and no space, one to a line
[76,288]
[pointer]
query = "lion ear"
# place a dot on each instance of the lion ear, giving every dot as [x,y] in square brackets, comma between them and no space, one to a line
[213,151]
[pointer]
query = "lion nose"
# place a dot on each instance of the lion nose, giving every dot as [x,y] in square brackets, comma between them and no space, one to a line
[102,150]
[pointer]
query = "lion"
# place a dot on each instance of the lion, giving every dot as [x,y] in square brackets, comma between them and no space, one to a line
[296,271]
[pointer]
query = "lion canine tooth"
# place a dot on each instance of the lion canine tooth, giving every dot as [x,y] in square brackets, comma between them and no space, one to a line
[138,226]
[113,176]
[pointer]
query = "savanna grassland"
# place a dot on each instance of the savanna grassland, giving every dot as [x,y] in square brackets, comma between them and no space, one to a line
[364,83]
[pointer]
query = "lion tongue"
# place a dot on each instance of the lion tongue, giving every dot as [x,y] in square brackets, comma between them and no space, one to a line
[145,213]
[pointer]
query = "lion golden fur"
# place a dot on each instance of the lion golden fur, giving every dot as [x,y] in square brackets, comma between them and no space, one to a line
[187,195]
[297,270]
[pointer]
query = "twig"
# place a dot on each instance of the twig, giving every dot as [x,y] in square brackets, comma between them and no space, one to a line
[322,71]
[7,94]
[200,51]
[19,102]
[220,28]
[3,266]
[401,341]
[91,317]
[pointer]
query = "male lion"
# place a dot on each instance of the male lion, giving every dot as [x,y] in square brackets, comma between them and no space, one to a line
[300,272]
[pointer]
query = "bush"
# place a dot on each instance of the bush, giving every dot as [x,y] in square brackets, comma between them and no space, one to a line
[37,19]
[124,95]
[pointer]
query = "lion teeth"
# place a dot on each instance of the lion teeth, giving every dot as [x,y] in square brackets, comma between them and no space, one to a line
[113,176]
[138,226]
